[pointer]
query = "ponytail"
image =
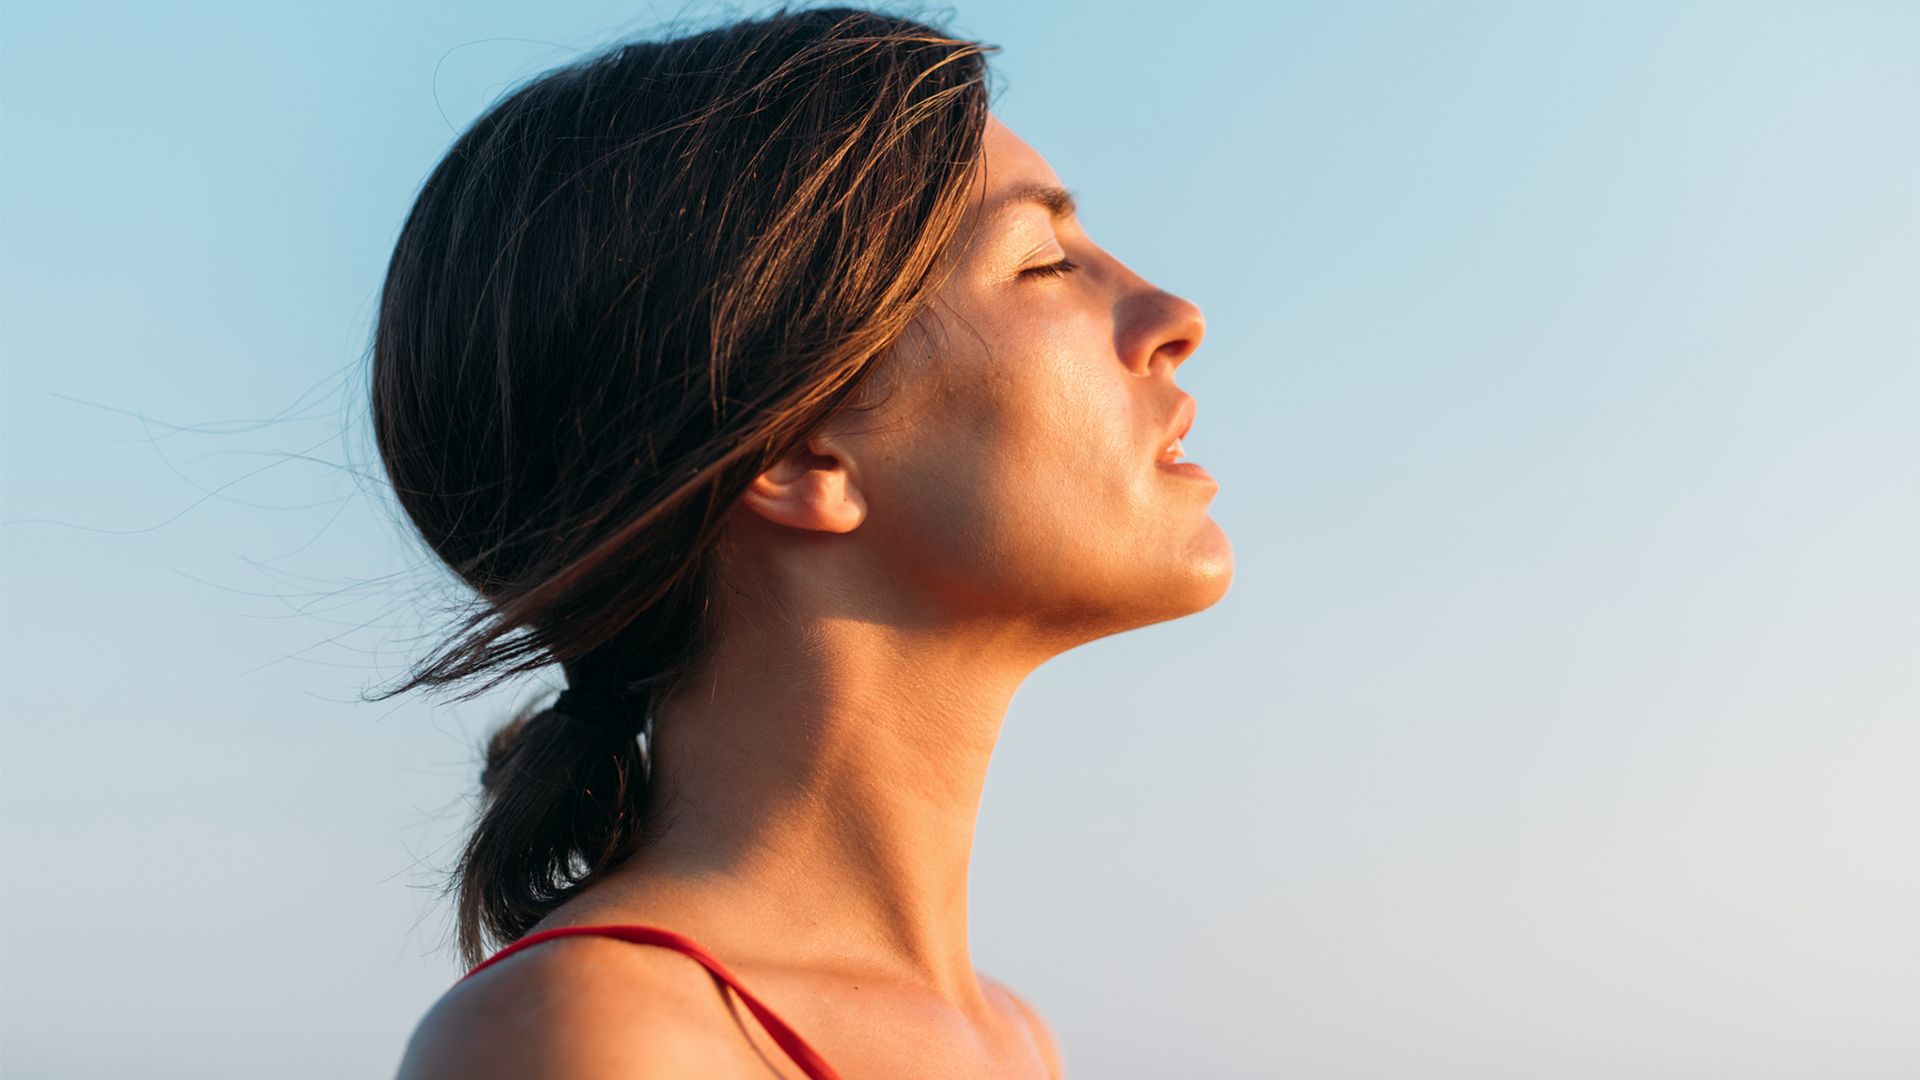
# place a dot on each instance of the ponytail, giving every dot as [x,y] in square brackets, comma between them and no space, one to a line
[565,799]
[563,803]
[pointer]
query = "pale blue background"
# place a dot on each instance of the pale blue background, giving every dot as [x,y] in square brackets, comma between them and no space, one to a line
[1561,381]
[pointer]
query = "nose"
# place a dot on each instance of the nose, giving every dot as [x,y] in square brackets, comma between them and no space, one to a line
[1163,329]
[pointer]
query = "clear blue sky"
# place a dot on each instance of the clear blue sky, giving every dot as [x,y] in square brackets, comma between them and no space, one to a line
[1561,380]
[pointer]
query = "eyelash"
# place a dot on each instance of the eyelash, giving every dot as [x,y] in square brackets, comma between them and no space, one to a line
[1064,266]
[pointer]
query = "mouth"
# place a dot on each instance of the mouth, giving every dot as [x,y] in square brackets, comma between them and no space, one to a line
[1172,457]
[1171,451]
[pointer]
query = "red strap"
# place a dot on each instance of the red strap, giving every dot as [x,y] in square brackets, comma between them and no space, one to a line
[816,1067]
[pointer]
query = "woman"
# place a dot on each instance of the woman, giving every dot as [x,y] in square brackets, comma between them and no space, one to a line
[766,383]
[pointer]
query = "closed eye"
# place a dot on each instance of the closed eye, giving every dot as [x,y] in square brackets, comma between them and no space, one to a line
[1064,266]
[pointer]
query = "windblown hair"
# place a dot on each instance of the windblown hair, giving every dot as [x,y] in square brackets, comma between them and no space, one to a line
[630,287]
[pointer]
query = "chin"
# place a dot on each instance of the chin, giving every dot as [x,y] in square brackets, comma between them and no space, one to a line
[1209,565]
[1196,581]
[1085,593]
[1206,587]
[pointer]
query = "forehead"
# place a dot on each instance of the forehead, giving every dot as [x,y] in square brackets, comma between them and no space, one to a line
[1010,156]
[1009,164]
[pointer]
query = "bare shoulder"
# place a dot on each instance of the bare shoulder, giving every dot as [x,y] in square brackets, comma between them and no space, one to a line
[1042,1034]
[583,1008]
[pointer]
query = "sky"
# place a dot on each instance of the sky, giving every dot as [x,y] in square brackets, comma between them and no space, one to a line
[1561,378]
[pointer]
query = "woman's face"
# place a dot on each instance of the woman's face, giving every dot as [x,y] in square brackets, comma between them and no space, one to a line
[1012,469]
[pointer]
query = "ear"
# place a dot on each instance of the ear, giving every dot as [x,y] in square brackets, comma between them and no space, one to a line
[810,488]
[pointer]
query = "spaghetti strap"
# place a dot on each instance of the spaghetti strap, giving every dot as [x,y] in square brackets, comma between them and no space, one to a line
[805,1056]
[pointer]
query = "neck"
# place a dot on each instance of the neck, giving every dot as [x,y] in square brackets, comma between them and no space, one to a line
[825,783]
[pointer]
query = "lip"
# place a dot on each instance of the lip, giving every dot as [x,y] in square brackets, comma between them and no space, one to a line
[1189,469]
[1183,414]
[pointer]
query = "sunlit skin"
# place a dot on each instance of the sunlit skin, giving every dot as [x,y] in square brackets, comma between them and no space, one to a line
[892,586]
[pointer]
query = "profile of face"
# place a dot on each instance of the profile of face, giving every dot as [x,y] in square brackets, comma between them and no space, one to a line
[1011,473]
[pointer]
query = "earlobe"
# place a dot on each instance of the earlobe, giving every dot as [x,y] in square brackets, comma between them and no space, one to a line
[810,488]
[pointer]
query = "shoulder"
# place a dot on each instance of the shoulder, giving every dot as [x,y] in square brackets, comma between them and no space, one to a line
[581,1008]
[1042,1035]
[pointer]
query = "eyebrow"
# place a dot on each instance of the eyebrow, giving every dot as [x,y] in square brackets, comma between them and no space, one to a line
[1058,200]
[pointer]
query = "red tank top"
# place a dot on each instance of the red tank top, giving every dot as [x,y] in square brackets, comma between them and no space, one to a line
[805,1056]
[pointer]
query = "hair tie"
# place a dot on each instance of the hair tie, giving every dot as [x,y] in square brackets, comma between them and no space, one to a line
[624,715]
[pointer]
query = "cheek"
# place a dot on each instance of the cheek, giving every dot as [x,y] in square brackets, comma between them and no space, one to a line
[1065,440]
[1051,439]
[1019,470]
[1065,421]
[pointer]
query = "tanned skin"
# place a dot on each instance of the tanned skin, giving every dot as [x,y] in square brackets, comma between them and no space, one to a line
[893,584]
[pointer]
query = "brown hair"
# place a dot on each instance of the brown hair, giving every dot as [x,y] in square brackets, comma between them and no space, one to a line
[630,287]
